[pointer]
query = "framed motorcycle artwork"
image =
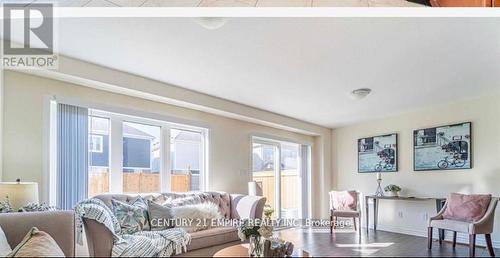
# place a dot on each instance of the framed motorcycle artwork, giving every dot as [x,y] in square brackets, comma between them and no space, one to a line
[443,148]
[378,154]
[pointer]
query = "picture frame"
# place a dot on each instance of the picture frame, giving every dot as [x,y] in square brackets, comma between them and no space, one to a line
[378,154]
[442,148]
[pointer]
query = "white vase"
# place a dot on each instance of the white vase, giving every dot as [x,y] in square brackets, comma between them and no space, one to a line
[393,194]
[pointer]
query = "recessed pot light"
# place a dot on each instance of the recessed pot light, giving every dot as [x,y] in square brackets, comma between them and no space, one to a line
[359,93]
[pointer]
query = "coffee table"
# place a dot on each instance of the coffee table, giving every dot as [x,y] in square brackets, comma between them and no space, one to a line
[241,250]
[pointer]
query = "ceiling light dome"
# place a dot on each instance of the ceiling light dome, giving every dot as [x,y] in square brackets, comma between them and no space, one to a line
[359,93]
[211,23]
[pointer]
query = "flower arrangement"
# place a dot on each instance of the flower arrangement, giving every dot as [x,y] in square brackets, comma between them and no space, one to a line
[266,230]
[247,230]
[255,230]
[268,211]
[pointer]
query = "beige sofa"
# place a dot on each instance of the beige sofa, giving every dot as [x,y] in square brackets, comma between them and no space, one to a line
[231,206]
[60,225]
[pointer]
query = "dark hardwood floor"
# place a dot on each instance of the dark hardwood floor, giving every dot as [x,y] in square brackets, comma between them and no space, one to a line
[319,242]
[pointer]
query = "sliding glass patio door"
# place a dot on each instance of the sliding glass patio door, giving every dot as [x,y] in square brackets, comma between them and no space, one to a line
[290,181]
[265,170]
[281,170]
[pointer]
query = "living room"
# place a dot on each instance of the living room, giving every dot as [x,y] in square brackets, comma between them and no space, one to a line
[340,131]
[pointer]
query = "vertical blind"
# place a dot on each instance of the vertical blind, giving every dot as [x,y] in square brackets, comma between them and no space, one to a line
[72,155]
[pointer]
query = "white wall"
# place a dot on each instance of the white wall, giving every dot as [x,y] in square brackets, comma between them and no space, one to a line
[484,177]
[230,158]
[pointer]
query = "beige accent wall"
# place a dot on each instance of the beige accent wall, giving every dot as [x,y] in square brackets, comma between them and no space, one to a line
[230,159]
[410,217]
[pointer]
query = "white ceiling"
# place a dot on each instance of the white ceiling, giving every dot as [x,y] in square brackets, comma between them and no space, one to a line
[302,67]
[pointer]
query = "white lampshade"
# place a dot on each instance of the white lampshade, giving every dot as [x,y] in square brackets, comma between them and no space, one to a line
[19,193]
[254,189]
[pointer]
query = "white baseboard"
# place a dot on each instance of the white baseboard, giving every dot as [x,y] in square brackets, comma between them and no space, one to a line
[461,238]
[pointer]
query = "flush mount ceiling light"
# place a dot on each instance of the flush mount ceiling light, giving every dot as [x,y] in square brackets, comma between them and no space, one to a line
[359,93]
[211,23]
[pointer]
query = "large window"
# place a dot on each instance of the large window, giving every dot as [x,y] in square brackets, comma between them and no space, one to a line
[186,160]
[130,154]
[141,158]
[98,155]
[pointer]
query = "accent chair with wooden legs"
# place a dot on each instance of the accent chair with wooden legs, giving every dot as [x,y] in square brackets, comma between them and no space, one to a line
[483,225]
[345,204]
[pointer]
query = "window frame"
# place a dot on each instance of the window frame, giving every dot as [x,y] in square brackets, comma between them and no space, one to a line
[91,145]
[116,148]
[200,147]
[305,166]
[150,142]
[203,149]
[49,179]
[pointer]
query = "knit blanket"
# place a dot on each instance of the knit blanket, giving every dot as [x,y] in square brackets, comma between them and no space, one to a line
[141,244]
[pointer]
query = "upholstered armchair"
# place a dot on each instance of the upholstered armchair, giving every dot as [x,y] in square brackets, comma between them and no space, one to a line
[60,225]
[345,204]
[484,225]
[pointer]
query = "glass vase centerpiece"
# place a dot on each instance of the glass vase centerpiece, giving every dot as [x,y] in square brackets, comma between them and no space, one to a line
[256,231]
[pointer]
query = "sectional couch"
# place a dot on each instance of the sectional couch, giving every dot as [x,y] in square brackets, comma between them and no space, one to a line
[231,206]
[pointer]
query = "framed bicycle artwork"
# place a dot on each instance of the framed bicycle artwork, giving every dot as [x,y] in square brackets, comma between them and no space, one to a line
[378,154]
[443,148]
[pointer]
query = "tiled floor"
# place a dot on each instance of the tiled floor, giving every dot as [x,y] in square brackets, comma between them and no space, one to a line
[226,3]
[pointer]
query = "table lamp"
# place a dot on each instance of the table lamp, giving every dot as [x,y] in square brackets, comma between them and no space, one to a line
[19,193]
[254,189]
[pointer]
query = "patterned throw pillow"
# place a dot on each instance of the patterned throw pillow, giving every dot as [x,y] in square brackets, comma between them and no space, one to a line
[132,217]
[142,203]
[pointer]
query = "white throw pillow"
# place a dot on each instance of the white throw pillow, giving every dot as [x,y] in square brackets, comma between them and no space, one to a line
[4,245]
[201,215]
[190,200]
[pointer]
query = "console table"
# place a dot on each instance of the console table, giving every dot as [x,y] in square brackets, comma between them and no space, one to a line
[439,205]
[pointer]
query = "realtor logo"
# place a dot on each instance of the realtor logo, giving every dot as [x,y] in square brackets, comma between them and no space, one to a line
[28,32]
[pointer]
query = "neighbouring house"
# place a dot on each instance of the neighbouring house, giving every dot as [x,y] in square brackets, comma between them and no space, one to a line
[138,148]
[185,150]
